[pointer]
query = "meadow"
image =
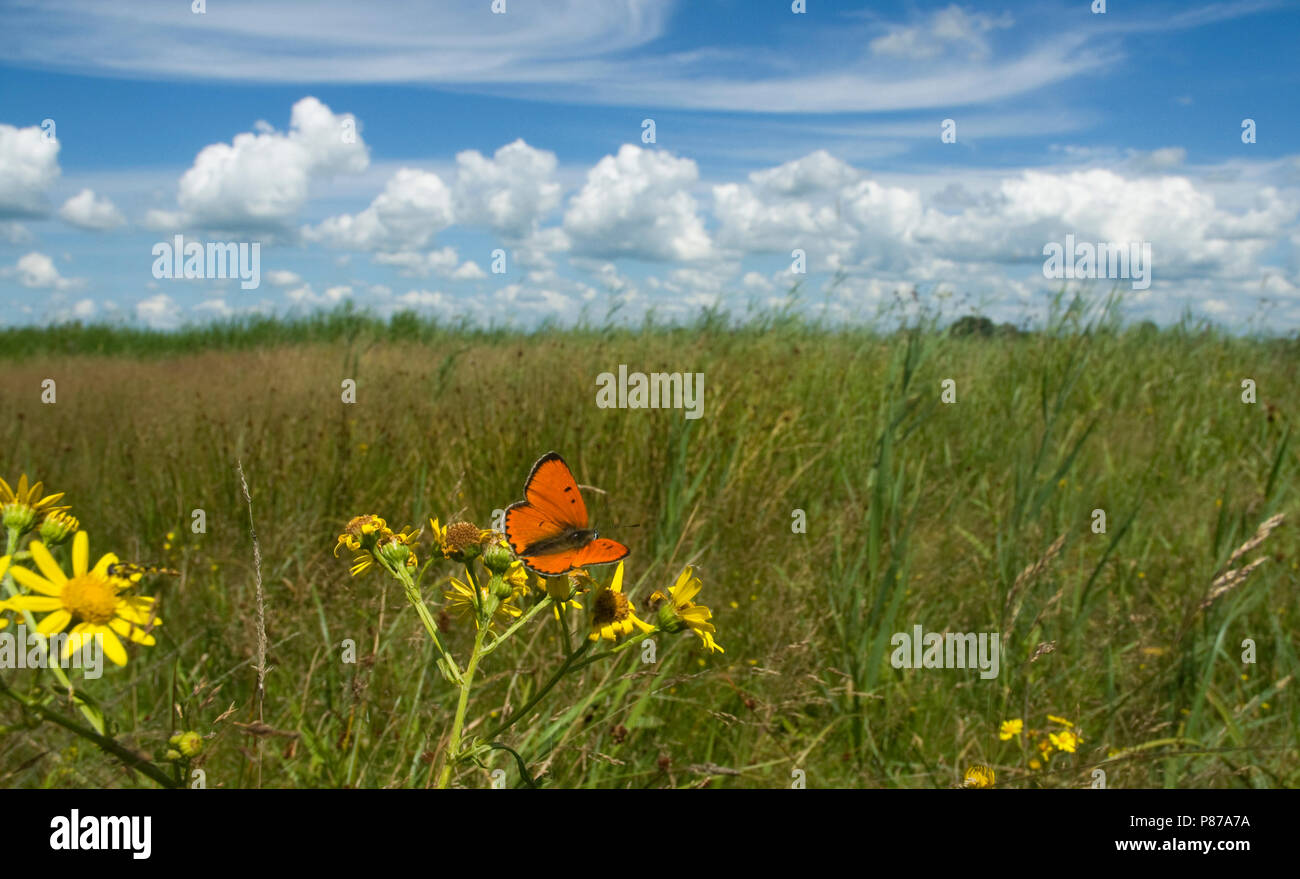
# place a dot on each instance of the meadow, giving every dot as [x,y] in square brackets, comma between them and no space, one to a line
[970,516]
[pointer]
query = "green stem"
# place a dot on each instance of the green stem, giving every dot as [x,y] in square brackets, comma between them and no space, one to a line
[453,746]
[128,757]
[421,610]
[540,694]
[518,624]
[635,639]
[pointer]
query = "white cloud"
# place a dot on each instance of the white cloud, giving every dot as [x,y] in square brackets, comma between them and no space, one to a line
[305,295]
[510,193]
[159,312]
[261,180]
[29,163]
[414,207]
[38,272]
[468,271]
[89,211]
[283,278]
[15,233]
[637,204]
[947,31]
[412,263]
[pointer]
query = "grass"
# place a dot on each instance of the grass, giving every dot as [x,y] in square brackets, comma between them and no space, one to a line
[975,516]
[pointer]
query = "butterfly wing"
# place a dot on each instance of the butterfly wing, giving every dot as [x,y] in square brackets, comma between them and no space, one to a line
[552,505]
[552,489]
[601,551]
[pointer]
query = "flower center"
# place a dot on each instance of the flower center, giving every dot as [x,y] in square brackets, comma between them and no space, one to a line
[90,598]
[610,607]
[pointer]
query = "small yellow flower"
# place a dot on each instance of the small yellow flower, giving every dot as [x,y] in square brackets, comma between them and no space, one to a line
[1034,764]
[1065,741]
[88,600]
[1010,729]
[19,509]
[361,532]
[611,611]
[564,591]
[462,602]
[677,611]
[978,777]
[1061,720]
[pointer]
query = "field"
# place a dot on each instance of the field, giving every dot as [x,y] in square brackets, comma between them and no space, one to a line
[918,512]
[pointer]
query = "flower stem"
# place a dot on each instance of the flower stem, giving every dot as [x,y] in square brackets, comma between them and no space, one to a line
[413,596]
[453,746]
[519,623]
[540,694]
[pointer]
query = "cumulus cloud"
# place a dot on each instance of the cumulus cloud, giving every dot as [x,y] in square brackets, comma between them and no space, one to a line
[159,312]
[283,278]
[261,180]
[867,225]
[29,163]
[638,204]
[38,272]
[510,192]
[89,211]
[414,207]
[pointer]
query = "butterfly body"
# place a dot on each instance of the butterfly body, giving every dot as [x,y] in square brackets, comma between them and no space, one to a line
[549,530]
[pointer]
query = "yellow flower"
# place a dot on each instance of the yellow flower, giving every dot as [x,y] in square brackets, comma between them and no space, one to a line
[439,533]
[461,601]
[88,600]
[611,612]
[19,509]
[1065,741]
[361,532]
[1010,729]
[978,777]
[677,611]
[369,537]
[1061,720]
[564,591]
[462,541]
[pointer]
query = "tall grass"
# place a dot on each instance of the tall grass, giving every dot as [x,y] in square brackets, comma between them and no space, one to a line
[917,512]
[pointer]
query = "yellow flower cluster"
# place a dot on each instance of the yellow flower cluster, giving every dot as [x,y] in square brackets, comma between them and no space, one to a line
[88,601]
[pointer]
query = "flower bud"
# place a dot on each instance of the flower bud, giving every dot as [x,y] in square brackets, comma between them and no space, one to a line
[58,527]
[497,558]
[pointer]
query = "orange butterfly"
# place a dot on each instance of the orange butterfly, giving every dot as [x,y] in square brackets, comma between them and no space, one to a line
[548,529]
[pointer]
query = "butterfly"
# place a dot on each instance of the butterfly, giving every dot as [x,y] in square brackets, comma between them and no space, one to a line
[549,529]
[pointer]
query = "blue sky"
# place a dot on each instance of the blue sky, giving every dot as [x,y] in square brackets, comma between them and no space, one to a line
[522,132]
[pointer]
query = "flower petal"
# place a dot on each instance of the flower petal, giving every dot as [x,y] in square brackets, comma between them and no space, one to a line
[34,602]
[113,648]
[80,553]
[37,583]
[101,566]
[46,563]
[55,622]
